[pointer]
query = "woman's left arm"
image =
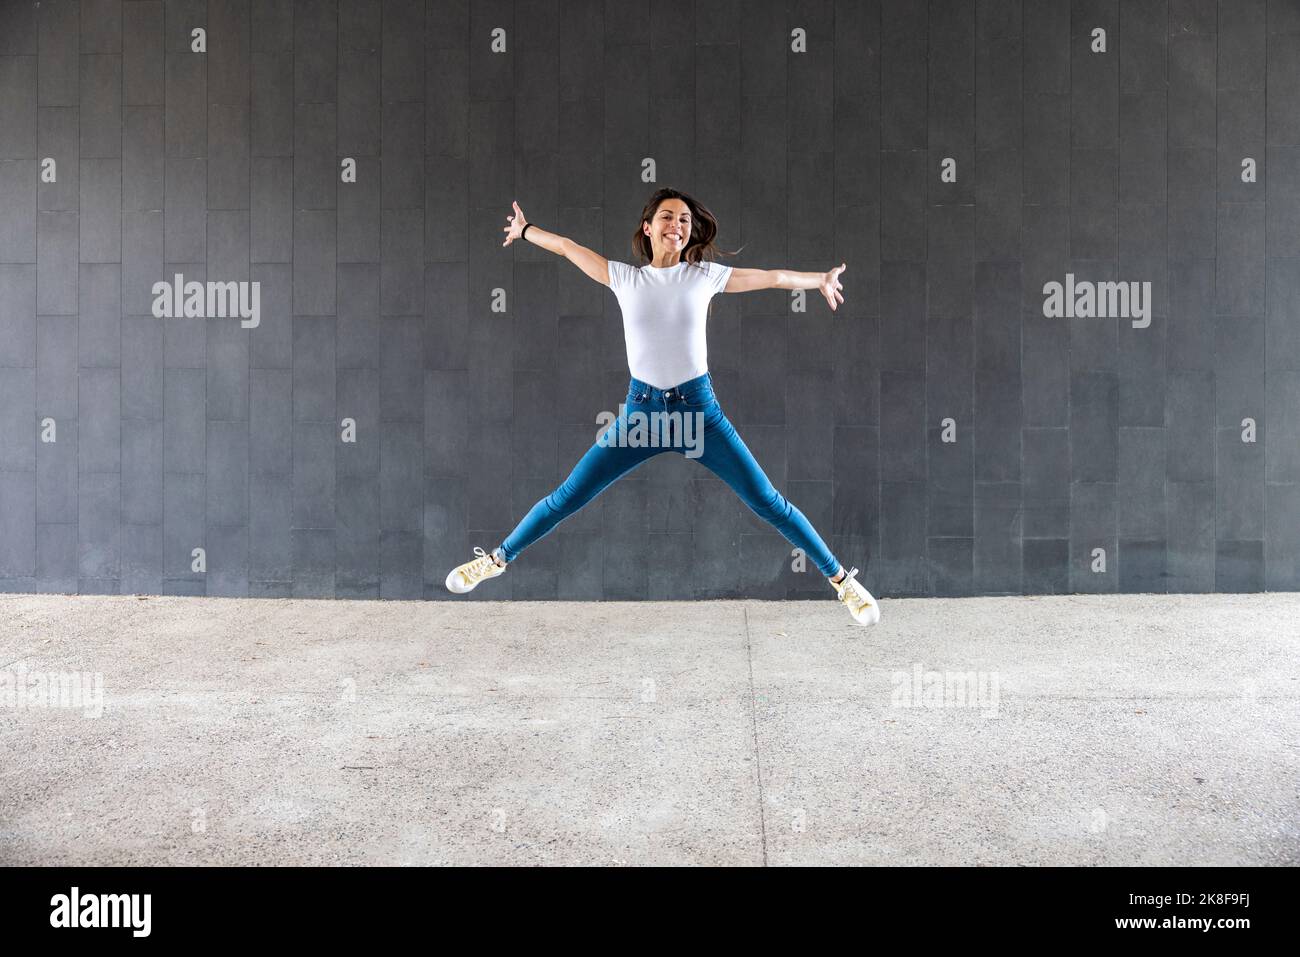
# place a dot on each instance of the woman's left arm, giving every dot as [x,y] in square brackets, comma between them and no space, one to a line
[746,280]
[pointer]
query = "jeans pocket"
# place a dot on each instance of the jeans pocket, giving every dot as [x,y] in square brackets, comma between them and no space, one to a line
[700,399]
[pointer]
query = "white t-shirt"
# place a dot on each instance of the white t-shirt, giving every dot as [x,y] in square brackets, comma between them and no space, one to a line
[664,314]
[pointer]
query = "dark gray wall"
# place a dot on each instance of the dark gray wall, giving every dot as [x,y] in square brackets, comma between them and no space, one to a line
[1070,434]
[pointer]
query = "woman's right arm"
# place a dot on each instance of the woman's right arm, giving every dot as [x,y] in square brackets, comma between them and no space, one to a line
[588,260]
[592,263]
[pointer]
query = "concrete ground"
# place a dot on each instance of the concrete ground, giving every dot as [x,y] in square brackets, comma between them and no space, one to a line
[1129,730]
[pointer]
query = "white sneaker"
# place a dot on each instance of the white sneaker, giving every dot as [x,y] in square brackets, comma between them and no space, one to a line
[861,605]
[465,577]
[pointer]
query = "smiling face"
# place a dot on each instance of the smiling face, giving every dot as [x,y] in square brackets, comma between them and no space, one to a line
[669,230]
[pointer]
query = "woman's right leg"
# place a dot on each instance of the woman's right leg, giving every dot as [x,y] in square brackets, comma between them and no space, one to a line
[608,459]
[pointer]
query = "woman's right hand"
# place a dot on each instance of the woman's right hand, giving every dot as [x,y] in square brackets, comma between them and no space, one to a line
[517,223]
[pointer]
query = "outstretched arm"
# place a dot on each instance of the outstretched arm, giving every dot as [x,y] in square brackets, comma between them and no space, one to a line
[747,280]
[592,263]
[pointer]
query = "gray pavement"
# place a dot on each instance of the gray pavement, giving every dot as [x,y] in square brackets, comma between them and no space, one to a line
[1129,729]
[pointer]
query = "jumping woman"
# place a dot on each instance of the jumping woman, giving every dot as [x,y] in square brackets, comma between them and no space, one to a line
[664,306]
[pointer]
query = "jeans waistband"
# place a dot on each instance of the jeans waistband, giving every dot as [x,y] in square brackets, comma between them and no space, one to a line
[688,387]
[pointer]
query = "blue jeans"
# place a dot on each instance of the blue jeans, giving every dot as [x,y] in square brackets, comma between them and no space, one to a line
[689,421]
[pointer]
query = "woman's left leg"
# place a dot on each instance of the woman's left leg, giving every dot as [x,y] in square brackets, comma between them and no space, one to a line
[725,454]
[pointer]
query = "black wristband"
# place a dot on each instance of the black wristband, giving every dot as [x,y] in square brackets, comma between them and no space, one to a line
[523,233]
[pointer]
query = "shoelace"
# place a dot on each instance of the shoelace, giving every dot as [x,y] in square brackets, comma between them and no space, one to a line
[479,567]
[850,594]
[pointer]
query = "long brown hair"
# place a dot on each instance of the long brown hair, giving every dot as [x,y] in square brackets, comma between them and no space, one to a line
[704,228]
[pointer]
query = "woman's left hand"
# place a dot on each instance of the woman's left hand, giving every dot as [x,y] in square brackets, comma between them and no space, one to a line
[831,285]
